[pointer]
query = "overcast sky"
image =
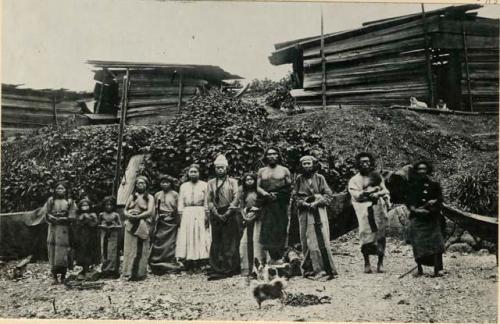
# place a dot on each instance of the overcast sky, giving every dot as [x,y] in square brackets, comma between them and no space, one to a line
[45,43]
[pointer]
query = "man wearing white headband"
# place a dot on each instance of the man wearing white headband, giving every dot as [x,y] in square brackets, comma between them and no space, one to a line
[312,194]
[223,206]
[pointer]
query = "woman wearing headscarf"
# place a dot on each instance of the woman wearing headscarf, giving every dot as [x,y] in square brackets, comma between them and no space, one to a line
[312,194]
[193,237]
[425,200]
[162,256]
[138,213]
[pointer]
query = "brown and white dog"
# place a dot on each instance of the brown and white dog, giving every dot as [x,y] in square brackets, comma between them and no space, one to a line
[270,286]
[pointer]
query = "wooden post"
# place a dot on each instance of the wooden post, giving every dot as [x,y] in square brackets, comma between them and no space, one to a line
[98,108]
[428,60]
[179,104]
[323,64]
[466,57]
[54,108]
[123,116]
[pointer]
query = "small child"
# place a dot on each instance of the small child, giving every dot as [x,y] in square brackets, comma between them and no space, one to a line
[60,212]
[110,225]
[375,186]
[377,218]
[87,241]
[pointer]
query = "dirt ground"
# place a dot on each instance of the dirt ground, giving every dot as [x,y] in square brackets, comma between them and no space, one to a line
[467,293]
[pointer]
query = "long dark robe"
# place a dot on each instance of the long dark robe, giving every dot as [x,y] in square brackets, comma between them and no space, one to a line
[87,242]
[425,231]
[162,255]
[224,250]
[275,217]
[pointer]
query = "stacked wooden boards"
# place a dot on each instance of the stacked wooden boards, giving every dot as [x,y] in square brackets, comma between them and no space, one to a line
[156,92]
[25,110]
[388,61]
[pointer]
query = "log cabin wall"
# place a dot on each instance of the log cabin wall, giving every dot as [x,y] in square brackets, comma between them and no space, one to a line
[26,110]
[156,92]
[384,62]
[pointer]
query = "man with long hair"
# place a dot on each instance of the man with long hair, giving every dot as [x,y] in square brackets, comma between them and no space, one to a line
[274,185]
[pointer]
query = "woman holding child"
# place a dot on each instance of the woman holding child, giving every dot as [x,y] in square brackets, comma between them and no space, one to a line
[138,213]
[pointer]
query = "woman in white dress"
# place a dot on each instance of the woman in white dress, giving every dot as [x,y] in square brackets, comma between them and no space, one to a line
[194,238]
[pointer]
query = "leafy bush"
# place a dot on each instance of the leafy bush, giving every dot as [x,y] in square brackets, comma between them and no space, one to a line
[266,85]
[208,125]
[85,157]
[215,124]
[478,192]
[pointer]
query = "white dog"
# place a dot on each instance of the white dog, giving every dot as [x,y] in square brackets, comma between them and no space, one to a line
[414,103]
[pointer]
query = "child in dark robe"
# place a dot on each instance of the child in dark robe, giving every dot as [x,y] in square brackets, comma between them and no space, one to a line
[60,212]
[110,225]
[87,240]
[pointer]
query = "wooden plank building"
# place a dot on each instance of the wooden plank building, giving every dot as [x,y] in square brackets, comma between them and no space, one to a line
[155,92]
[25,110]
[449,54]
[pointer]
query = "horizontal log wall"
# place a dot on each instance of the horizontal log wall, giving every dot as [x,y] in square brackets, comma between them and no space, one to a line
[30,112]
[153,95]
[388,66]
[483,73]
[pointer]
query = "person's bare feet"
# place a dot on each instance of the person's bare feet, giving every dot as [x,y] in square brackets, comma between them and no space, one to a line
[380,268]
[368,269]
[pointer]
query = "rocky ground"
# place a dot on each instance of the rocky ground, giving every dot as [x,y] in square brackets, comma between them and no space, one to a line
[467,293]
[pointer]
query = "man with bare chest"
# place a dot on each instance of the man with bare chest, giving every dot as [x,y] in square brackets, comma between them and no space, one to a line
[274,186]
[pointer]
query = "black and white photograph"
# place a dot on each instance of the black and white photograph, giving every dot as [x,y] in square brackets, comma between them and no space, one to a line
[249,161]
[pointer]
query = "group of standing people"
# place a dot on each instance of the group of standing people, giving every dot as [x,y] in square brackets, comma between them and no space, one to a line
[225,228]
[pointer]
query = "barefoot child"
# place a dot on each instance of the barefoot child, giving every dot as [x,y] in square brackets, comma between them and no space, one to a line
[86,239]
[59,214]
[110,225]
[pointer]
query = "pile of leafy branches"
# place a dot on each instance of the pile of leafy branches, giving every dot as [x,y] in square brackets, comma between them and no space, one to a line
[219,124]
[281,98]
[477,192]
[84,157]
[265,86]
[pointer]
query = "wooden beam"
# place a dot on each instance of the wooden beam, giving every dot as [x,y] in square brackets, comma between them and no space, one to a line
[428,59]
[323,64]
[123,116]
[99,102]
[181,85]
[469,92]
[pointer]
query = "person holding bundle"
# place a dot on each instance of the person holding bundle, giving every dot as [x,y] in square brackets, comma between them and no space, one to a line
[60,212]
[369,198]
[138,213]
